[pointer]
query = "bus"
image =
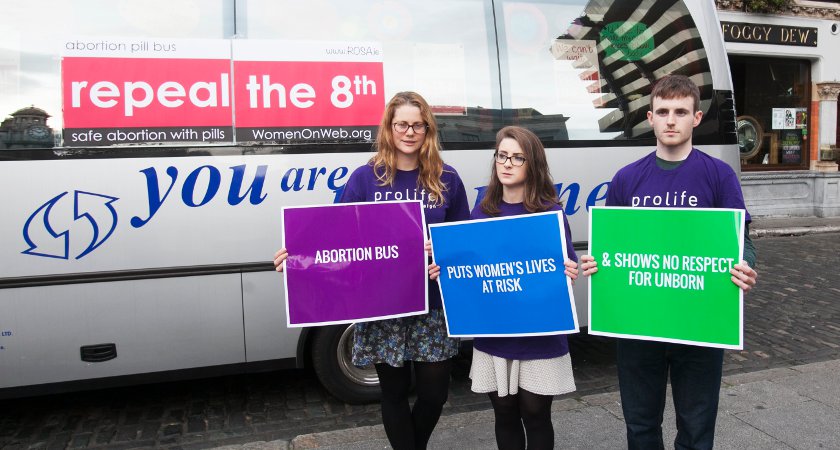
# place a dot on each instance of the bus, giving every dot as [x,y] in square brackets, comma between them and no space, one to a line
[150,146]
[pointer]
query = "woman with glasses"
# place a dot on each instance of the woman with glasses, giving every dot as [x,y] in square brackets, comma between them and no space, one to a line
[521,374]
[408,166]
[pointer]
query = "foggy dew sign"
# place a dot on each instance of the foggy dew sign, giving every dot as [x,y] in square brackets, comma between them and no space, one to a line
[663,275]
[505,276]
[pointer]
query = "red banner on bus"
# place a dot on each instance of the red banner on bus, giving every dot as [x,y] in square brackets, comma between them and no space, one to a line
[271,93]
[141,92]
[297,91]
[132,92]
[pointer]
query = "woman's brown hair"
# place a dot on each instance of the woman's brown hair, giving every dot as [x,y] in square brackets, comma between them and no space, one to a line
[540,193]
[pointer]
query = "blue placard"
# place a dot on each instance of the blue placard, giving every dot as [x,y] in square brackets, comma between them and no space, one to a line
[505,276]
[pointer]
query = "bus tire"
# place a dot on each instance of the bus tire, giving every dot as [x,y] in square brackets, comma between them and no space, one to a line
[332,348]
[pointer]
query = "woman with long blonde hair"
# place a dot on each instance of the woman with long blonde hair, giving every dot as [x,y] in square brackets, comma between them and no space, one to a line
[408,166]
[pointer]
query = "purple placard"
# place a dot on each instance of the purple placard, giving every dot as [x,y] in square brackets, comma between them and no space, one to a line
[354,262]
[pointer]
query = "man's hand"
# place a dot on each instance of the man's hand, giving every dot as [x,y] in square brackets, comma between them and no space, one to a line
[743,276]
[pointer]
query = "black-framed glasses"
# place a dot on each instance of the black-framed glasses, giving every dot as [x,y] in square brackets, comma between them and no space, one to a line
[516,160]
[402,127]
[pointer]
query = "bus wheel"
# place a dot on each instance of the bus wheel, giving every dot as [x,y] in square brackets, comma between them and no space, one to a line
[332,349]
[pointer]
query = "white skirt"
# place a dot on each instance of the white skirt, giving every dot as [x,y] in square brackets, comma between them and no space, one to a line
[551,376]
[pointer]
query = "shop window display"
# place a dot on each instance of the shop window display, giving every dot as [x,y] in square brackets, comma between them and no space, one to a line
[772,99]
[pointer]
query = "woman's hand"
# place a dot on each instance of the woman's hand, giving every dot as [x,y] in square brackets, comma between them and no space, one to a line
[434,271]
[280,258]
[571,269]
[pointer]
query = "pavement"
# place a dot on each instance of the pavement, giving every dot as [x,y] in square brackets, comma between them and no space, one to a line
[796,407]
[787,408]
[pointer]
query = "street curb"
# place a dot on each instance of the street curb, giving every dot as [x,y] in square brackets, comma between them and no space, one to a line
[794,231]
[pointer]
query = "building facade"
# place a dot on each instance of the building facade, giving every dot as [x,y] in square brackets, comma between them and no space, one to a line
[786,78]
[26,128]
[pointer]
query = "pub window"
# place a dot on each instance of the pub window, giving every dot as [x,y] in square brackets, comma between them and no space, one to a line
[772,97]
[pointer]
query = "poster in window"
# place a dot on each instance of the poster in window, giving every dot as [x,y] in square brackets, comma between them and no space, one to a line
[791,143]
[783,118]
[801,118]
[789,118]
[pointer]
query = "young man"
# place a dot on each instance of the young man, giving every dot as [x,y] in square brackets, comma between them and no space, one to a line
[644,366]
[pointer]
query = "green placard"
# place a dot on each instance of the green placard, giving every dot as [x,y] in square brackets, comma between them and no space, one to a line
[663,275]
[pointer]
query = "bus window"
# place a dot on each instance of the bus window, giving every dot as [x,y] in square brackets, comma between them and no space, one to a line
[443,51]
[33,33]
[583,70]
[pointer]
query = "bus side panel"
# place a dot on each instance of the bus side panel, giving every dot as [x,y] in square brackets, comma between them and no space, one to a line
[156,325]
[264,308]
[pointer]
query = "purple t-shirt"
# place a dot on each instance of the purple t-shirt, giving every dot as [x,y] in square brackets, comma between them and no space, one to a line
[525,347]
[363,186]
[701,181]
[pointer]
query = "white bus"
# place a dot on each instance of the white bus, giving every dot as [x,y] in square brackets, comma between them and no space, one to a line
[129,254]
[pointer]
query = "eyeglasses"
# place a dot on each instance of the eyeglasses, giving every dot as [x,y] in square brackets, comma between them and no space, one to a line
[516,160]
[402,127]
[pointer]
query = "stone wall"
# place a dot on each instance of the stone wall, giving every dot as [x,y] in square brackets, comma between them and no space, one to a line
[792,193]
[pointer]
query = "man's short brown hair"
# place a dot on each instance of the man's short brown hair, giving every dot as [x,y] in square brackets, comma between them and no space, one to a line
[675,86]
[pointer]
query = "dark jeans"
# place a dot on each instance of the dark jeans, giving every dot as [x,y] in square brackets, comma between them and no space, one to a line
[643,368]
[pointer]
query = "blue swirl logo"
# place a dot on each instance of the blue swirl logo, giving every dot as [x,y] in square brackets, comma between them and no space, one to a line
[45,240]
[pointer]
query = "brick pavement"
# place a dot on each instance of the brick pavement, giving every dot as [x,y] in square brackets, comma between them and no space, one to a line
[791,318]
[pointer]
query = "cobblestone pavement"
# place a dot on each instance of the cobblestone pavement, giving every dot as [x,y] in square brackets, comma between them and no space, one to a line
[791,318]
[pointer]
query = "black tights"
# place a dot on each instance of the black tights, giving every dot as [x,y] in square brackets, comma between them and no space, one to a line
[407,427]
[533,411]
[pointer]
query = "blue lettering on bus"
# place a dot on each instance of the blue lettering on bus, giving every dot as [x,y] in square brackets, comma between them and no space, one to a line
[202,184]
[155,200]
[595,194]
[287,184]
[254,193]
[255,189]
[573,189]
[336,175]
[295,179]
[188,192]
[569,196]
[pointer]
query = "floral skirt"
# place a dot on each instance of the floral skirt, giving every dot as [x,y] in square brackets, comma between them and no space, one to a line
[394,341]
